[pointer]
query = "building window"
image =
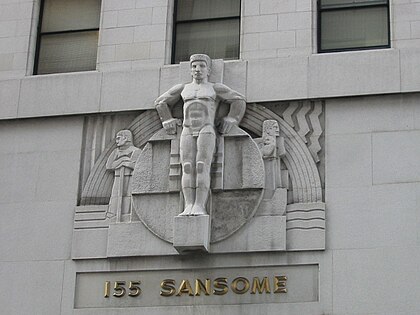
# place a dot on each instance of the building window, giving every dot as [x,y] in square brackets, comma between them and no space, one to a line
[353,25]
[67,36]
[206,26]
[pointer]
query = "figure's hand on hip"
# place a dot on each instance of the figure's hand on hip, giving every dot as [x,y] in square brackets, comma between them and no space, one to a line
[227,124]
[170,125]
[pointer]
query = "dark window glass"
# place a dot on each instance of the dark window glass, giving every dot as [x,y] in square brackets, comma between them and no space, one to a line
[353,25]
[68,37]
[206,26]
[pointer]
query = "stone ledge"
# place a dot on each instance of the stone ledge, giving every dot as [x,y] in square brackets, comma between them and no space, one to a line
[263,233]
[280,79]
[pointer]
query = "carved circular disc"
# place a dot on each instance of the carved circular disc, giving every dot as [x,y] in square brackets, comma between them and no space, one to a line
[237,187]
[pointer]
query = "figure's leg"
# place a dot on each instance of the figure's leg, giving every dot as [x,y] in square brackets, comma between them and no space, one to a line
[187,154]
[206,143]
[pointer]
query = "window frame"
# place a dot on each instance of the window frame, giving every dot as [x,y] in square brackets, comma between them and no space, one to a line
[360,6]
[176,23]
[40,34]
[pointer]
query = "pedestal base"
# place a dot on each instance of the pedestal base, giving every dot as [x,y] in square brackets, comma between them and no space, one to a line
[191,233]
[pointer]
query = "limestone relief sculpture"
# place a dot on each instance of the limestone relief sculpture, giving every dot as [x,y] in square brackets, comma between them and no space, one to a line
[122,161]
[198,137]
[215,171]
[205,171]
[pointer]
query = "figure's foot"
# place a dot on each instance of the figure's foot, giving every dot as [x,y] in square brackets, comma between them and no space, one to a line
[198,210]
[187,210]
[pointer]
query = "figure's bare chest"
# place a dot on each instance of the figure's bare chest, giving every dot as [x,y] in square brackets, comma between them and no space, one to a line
[198,91]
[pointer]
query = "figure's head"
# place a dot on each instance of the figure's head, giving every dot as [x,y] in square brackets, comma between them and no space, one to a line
[124,137]
[271,128]
[200,66]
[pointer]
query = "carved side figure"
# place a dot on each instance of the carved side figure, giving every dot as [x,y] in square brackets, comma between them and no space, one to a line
[271,145]
[198,138]
[122,161]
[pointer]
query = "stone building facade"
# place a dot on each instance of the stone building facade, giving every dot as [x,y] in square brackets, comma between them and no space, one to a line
[357,112]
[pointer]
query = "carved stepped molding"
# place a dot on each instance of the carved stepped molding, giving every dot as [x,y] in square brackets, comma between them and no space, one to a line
[315,146]
[303,116]
[305,216]
[287,114]
[91,217]
[303,127]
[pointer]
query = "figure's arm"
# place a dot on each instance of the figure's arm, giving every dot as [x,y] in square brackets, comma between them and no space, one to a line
[163,103]
[111,163]
[114,163]
[123,161]
[131,163]
[237,110]
[237,106]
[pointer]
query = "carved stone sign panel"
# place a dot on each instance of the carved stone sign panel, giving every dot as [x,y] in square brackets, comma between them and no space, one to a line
[214,286]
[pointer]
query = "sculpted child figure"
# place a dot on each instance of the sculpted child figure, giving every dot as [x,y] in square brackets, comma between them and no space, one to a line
[198,138]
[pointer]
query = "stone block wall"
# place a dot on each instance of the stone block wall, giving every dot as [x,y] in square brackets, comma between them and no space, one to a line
[18,20]
[273,29]
[135,34]
[405,24]
[39,165]
[138,33]
[372,143]
[373,197]
[372,192]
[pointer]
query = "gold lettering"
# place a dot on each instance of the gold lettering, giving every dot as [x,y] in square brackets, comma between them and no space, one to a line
[119,289]
[106,289]
[220,286]
[199,285]
[134,288]
[167,287]
[185,287]
[235,287]
[261,286]
[280,284]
